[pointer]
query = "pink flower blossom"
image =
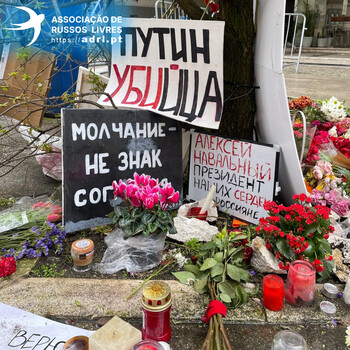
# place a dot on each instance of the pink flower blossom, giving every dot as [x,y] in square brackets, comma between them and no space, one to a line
[341,208]
[118,188]
[317,173]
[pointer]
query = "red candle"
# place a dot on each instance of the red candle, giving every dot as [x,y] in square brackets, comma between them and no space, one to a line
[156,305]
[194,213]
[273,292]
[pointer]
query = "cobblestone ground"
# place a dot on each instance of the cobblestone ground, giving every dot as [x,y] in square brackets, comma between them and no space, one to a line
[318,81]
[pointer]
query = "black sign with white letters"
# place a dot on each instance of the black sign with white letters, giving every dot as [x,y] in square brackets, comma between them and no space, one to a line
[100,146]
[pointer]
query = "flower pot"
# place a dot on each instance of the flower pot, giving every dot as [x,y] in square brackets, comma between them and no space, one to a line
[322,42]
[307,42]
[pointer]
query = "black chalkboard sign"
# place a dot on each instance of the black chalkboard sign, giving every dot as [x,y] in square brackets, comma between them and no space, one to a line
[100,146]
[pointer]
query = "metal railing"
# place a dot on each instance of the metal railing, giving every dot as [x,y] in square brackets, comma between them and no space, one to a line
[164,7]
[293,39]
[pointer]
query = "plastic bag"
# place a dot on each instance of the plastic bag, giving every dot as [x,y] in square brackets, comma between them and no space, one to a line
[51,162]
[135,254]
[28,212]
[17,216]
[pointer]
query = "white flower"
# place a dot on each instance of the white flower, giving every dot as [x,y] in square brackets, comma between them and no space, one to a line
[333,132]
[180,259]
[347,134]
[333,109]
[347,336]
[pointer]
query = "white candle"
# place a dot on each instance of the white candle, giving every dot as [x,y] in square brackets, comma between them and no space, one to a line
[208,200]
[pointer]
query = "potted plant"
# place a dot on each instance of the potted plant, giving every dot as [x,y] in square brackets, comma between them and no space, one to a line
[146,203]
[311,15]
[298,232]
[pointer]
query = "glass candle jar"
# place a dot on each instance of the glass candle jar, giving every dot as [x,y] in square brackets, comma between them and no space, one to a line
[195,213]
[80,342]
[301,283]
[156,305]
[288,340]
[273,292]
[147,345]
[82,252]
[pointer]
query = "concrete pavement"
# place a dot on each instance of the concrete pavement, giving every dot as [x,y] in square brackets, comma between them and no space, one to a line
[105,298]
[323,73]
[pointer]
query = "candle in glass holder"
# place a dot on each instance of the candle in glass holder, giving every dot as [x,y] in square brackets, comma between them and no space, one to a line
[301,283]
[195,212]
[273,292]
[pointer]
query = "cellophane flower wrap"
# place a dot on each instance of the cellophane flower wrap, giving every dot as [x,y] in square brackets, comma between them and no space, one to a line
[298,232]
[146,205]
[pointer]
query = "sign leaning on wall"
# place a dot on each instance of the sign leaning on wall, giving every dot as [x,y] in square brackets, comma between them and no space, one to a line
[171,67]
[244,174]
[100,146]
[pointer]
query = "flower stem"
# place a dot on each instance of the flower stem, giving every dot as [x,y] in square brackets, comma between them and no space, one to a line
[147,279]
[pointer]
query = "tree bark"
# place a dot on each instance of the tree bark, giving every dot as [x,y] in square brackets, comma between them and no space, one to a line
[239,96]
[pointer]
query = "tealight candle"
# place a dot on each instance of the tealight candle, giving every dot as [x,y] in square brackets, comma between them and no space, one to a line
[82,252]
[273,292]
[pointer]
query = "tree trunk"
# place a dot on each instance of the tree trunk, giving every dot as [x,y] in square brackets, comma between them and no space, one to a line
[239,99]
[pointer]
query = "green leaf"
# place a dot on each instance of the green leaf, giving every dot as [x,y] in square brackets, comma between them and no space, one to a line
[227,288]
[310,250]
[219,256]
[284,249]
[225,298]
[217,279]
[238,238]
[323,246]
[172,230]
[236,252]
[208,246]
[208,263]
[233,272]
[184,276]
[201,285]
[147,218]
[192,268]
[243,294]
[217,269]
[78,303]
[311,228]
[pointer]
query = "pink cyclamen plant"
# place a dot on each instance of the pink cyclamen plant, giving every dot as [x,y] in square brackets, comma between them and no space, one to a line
[146,202]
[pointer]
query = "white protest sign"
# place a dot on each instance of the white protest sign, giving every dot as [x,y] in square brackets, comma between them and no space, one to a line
[23,330]
[170,67]
[244,174]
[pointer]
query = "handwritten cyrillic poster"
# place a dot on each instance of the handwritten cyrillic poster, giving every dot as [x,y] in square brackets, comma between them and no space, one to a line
[244,174]
[171,67]
[24,330]
[100,146]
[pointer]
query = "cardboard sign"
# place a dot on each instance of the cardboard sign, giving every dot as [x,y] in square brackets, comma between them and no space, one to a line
[244,174]
[24,330]
[100,146]
[38,68]
[171,67]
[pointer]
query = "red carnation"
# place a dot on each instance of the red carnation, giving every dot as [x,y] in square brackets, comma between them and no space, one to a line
[7,266]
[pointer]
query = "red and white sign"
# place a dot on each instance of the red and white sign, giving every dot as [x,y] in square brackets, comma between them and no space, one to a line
[170,67]
[244,174]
